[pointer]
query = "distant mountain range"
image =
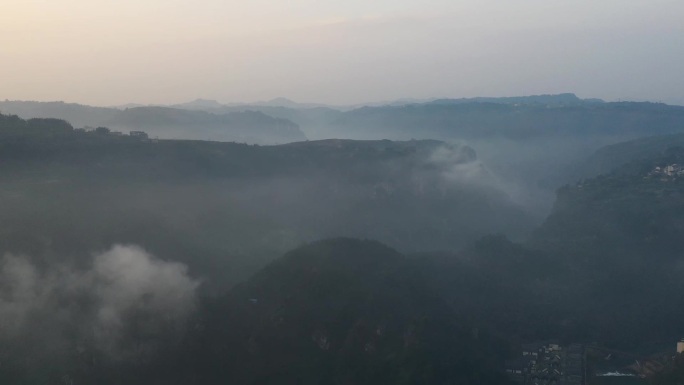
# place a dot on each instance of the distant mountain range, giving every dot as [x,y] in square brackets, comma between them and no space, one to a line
[553,99]
[510,120]
[445,119]
[252,127]
[567,99]
[168,123]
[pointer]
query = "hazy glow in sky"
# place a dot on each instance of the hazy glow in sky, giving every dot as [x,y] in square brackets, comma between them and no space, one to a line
[107,52]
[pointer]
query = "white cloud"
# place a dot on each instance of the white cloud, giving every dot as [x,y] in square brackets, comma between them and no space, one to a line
[127,303]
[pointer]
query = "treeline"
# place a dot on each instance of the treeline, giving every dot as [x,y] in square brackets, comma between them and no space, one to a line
[12,125]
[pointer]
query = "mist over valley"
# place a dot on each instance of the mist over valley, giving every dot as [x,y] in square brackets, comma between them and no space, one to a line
[341,193]
[198,218]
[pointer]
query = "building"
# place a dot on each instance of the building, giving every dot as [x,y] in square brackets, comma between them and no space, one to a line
[546,363]
[139,134]
[519,369]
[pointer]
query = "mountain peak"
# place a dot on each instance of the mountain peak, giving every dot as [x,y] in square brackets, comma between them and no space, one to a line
[200,103]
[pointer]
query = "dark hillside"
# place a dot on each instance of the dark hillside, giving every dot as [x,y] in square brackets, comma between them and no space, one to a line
[605,267]
[339,311]
[620,236]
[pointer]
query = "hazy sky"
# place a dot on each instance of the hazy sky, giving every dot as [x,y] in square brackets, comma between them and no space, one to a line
[107,52]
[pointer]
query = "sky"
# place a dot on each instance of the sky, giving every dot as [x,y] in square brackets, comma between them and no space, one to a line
[112,52]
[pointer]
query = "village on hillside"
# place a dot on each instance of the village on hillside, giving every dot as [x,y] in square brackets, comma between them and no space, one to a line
[550,363]
[667,172]
[547,363]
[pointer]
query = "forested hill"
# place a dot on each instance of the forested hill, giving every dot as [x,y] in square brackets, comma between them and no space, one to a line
[167,123]
[635,210]
[604,267]
[619,235]
[341,311]
[610,158]
[42,141]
